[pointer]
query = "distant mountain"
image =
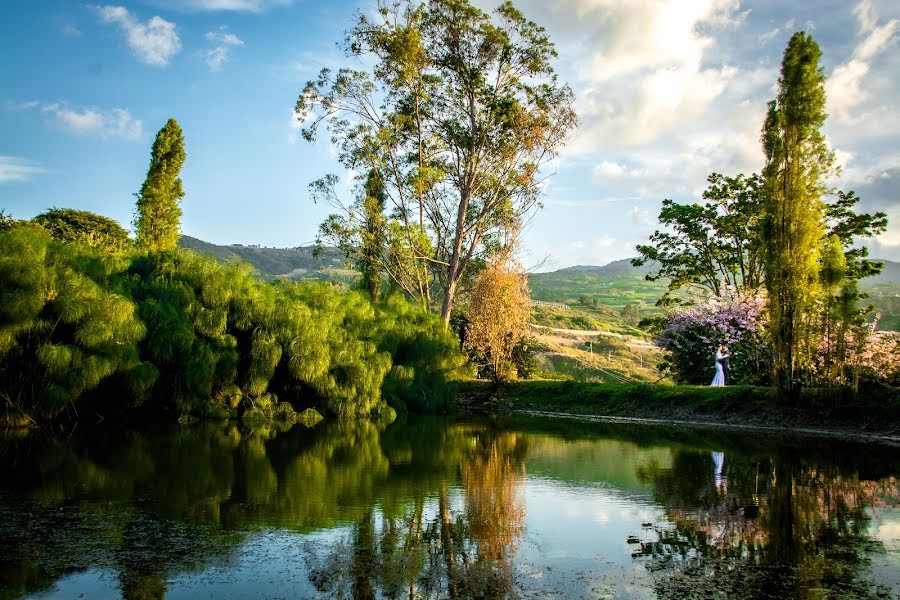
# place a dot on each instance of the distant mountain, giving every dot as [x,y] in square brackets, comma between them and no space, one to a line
[889,274]
[614,269]
[290,263]
[613,285]
[618,283]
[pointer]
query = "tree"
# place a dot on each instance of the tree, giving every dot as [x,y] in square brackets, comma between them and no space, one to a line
[460,112]
[499,310]
[158,212]
[631,314]
[713,244]
[83,227]
[361,234]
[797,162]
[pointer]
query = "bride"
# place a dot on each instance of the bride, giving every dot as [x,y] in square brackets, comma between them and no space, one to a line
[721,356]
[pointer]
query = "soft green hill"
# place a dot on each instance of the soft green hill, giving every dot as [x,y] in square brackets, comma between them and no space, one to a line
[614,285]
[290,263]
[617,284]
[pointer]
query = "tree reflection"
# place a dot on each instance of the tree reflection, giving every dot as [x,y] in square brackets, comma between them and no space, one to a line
[465,549]
[431,510]
[774,526]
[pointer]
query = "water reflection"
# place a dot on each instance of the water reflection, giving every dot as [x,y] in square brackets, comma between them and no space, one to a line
[756,525]
[434,508]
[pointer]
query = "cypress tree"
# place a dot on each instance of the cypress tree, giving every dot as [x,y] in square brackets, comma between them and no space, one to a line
[797,162]
[373,235]
[158,211]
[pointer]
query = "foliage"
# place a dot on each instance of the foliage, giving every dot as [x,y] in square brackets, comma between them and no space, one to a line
[6,220]
[692,334]
[499,309]
[83,227]
[711,245]
[426,357]
[300,262]
[797,162]
[631,314]
[865,354]
[157,223]
[524,359]
[458,114]
[184,335]
[63,327]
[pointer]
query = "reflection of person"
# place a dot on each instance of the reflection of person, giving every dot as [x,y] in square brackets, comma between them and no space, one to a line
[721,355]
[718,466]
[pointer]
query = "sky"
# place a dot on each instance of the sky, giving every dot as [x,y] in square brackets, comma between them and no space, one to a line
[667,91]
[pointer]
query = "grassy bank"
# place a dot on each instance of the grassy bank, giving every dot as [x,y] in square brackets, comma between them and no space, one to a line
[877,410]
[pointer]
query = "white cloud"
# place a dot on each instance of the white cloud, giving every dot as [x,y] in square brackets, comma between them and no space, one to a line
[891,237]
[770,35]
[16,169]
[222,41]
[609,169]
[845,88]
[113,123]
[255,6]
[604,242]
[639,216]
[153,43]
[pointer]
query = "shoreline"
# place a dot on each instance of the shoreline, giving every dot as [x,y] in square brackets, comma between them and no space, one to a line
[871,417]
[849,435]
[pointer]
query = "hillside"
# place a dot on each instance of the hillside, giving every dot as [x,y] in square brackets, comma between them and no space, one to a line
[589,297]
[618,284]
[290,263]
[614,285]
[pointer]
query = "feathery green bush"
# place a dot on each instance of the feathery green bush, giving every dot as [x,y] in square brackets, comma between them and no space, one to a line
[177,333]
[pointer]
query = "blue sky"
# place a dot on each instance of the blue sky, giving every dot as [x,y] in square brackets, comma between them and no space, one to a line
[667,92]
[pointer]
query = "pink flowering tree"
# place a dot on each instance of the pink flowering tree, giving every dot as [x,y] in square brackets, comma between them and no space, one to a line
[691,335]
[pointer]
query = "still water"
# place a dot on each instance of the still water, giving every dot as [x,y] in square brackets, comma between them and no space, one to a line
[455,507]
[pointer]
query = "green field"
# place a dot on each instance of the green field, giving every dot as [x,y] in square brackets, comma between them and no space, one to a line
[614,285]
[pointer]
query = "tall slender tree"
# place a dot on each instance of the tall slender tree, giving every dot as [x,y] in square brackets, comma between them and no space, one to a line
[158,219]
[797,162]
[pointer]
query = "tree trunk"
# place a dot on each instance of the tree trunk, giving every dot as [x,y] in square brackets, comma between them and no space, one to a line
[453,270]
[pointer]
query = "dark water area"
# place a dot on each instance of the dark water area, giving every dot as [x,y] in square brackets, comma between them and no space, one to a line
[465,507]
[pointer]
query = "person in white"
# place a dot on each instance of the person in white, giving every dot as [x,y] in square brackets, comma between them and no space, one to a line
[719,378]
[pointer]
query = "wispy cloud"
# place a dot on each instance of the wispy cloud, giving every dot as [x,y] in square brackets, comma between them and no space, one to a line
[222,42]
[109,123]
[17,169]
[70,30]
[153,43]
[254,6]
[845,89]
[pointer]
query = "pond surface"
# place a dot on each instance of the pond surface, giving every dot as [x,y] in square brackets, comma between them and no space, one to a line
[464,507]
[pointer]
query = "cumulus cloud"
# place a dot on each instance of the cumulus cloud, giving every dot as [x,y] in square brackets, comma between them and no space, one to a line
[222,42]
[153,43]
[845,88]
[15,169]
[112,123]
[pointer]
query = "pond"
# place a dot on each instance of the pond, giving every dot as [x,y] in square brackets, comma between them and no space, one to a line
[467,507]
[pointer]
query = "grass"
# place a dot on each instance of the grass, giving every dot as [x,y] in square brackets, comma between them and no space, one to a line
[878,409]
